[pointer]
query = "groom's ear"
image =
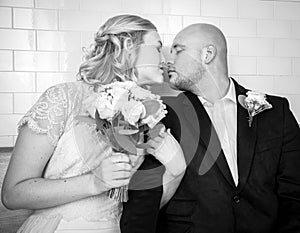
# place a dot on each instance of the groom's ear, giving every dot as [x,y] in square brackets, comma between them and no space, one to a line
[209,53]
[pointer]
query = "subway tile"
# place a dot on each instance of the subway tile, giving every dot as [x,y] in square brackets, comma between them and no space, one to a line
[287,85]
[287,48]
[6,60]
[294,105]
[296,66]
[273,28]
[87,38]
[17,39]
[225,8]
[17,3]
[188,20]
[242,65]
[258,83]
[17,82]
[36,61]
[9,124]
[79,20]
[137,6]
[5,17]
[296,29]
[70,61]
[6,141]
[287,10]
[168,40]
[24,101]
[255,9]
[238,27]
[46,80]
[274,66]
[6,103]
[58,41]
[35,19]
[167,24]
[179,7]
[256,47]
[232,46]
[57,4]
[101,5]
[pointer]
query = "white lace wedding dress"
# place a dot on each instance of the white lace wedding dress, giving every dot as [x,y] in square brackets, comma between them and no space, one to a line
[61,113]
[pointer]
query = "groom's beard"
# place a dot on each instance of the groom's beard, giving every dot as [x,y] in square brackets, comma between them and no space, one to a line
[185,82]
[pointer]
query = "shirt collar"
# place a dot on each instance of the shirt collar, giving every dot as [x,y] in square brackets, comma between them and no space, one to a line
[230,95]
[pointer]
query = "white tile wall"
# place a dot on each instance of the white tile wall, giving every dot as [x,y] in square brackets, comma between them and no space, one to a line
[256,47]
[17,39]
[274,66]
[296,29]
[36,61]
[101,5]
[57,4]
[24,101]
[58,41]
[5,17]
[17,82]
[41,41]
[6,103]
[79,20]
[179,7]
[188,20]
[35,19]
[46,80]
[238,27]
[242,65]
[17,3]
[224,8]
[137,6]
[287,48]
[274,28]
[256,9]
[6,60]
[296,66]
[287,10]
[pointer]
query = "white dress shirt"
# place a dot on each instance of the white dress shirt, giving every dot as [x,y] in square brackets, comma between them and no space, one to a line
[223,115]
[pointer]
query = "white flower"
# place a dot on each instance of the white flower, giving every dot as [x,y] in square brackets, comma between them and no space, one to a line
[141,93]
[254,102]
[133,111]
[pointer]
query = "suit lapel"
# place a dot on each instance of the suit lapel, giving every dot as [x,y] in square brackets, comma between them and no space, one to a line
[200,124]
[246,139]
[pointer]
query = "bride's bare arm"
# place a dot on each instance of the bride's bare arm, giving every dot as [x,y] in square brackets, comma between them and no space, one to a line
[24,187]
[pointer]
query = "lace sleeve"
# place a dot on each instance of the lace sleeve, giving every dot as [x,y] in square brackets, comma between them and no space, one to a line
[49,114]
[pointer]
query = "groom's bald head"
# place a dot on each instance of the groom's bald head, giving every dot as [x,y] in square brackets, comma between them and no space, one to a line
[200,35]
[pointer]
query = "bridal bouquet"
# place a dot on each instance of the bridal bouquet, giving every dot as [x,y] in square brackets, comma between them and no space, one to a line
[123,112]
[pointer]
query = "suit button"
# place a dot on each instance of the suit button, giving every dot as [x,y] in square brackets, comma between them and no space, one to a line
[236,199]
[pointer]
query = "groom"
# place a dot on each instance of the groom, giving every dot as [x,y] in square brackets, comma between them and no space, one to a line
[243,174]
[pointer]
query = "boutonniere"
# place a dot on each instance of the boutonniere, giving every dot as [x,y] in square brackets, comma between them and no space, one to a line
[254,102]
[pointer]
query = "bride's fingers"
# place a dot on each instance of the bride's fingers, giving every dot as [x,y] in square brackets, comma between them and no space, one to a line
[120,158]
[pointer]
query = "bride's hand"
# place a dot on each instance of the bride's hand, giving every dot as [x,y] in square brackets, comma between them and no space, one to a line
[167,150]
[113,172]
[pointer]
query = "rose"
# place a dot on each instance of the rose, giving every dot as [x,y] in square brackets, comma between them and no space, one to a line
[133,111]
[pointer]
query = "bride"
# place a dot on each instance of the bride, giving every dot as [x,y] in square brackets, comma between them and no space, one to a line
[59,167]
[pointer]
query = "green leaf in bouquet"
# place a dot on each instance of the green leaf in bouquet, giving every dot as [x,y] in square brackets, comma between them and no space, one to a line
[124,142]
[151,106]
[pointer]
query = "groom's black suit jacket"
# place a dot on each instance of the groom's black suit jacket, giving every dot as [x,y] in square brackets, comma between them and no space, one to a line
[267,198]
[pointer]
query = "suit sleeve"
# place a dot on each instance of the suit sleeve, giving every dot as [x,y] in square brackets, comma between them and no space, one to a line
[289,175]
[140,213]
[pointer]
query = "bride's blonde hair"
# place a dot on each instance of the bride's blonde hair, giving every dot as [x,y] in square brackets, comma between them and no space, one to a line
[107,60]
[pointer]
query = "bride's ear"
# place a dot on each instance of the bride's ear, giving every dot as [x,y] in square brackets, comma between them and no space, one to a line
[128,44]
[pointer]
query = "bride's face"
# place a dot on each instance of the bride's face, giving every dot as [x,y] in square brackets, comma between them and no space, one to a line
[149,59]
